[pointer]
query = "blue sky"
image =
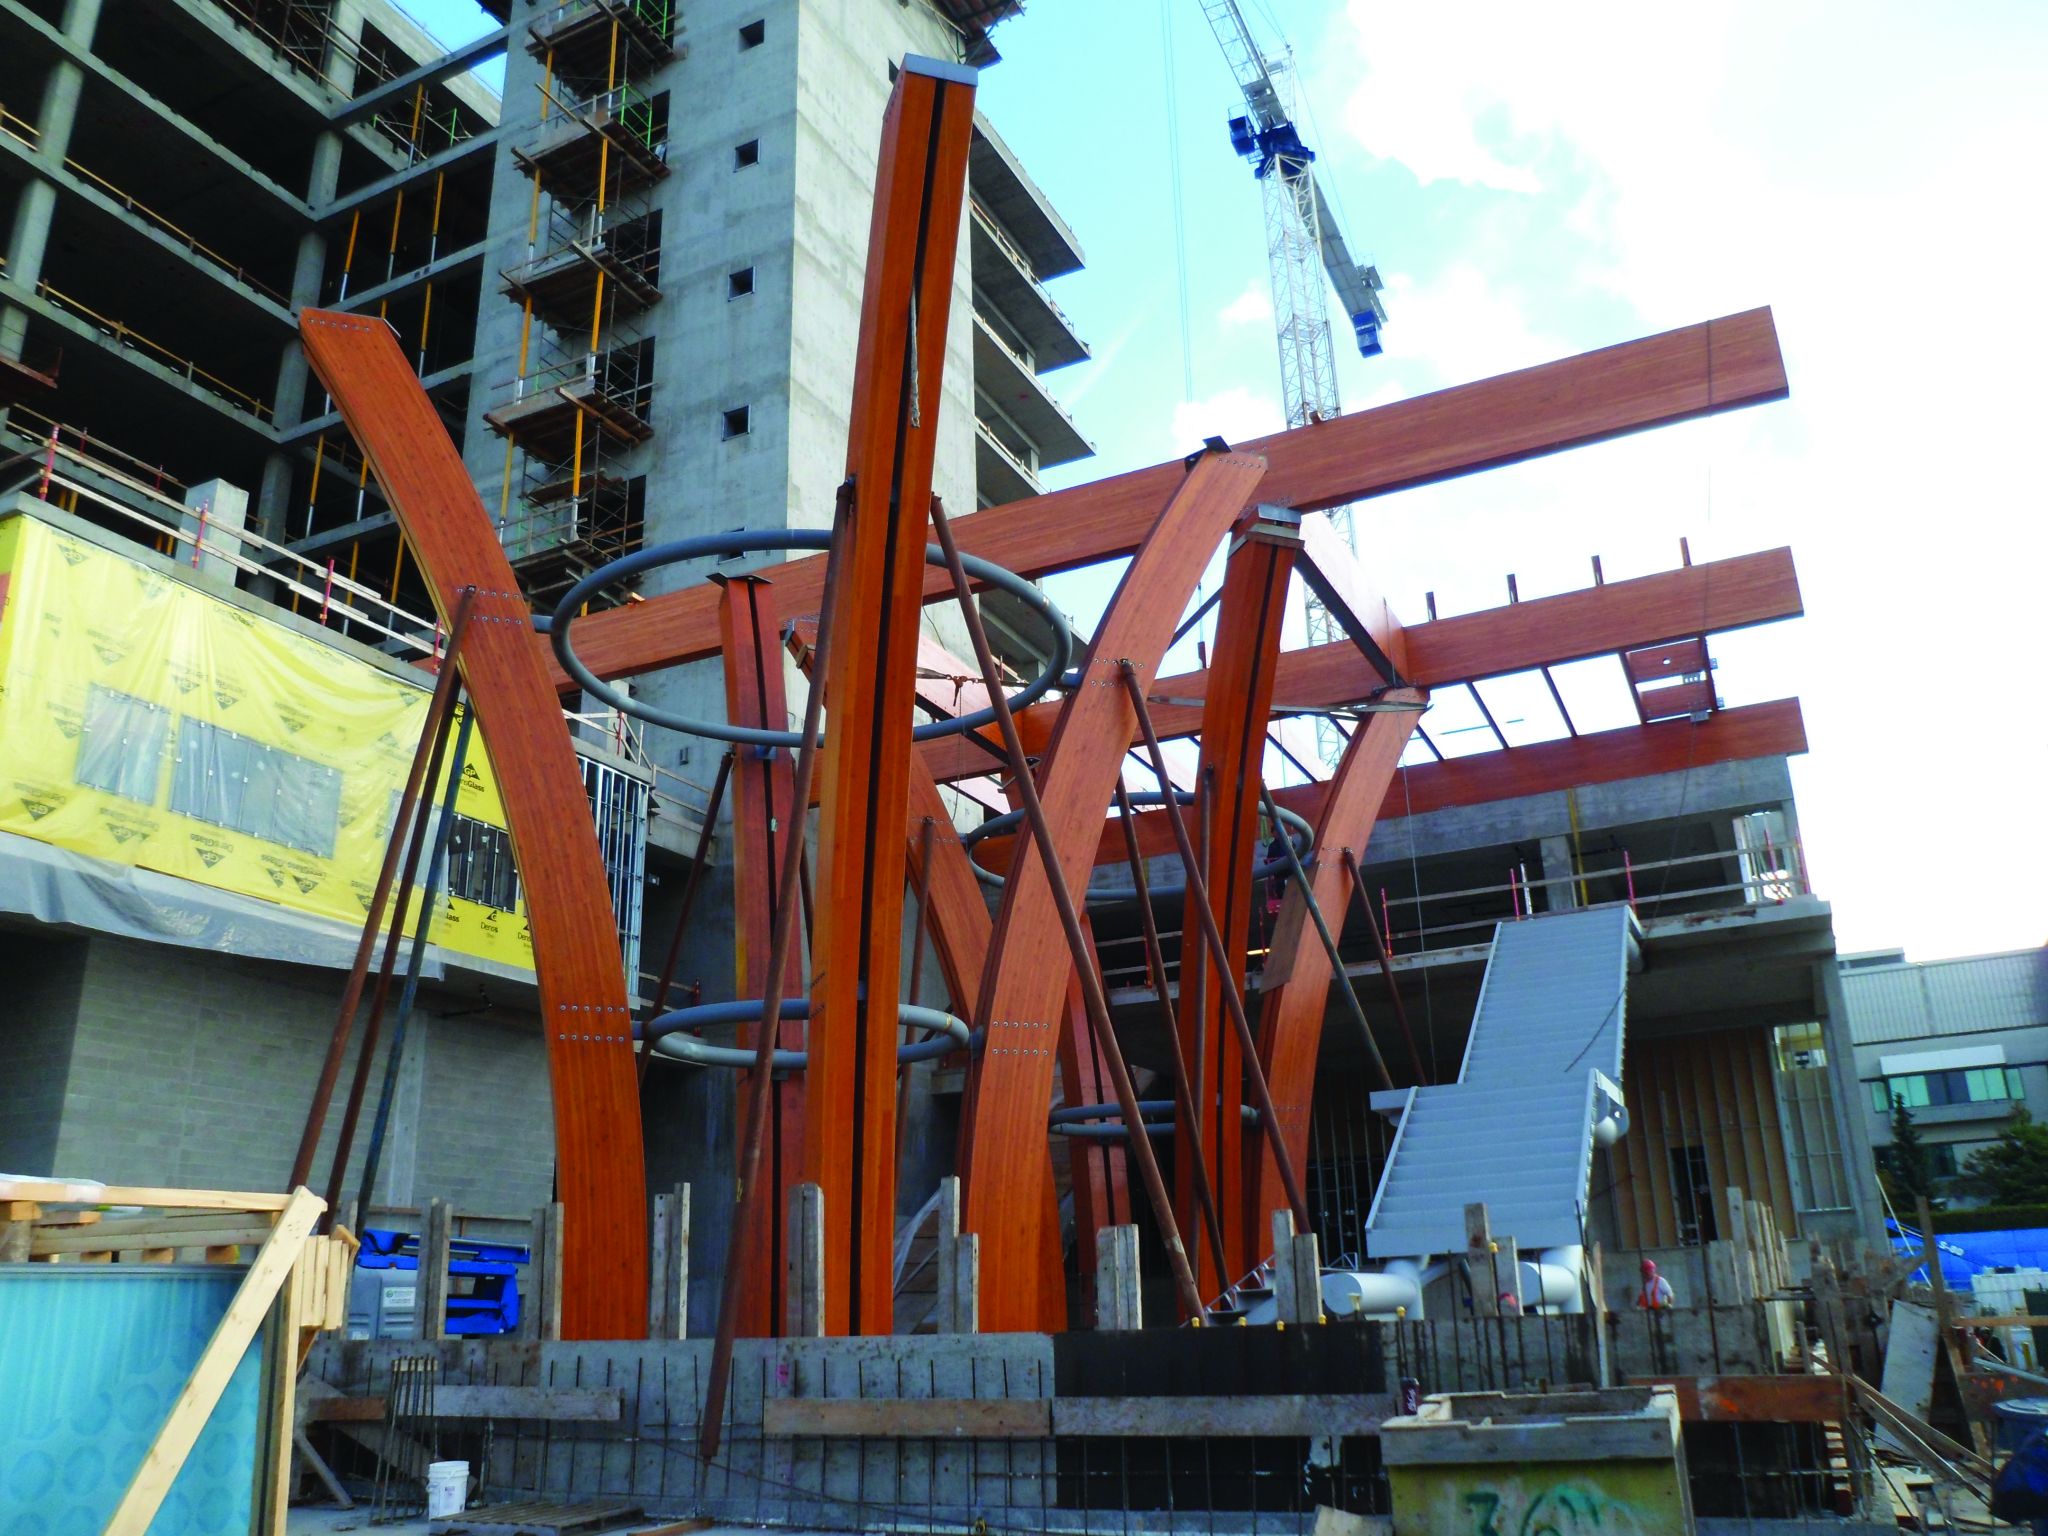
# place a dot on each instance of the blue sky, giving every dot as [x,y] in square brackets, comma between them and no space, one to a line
[1533,183]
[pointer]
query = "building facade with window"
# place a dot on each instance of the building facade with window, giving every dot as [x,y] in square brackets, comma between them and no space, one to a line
[1962,1043]
[630,282]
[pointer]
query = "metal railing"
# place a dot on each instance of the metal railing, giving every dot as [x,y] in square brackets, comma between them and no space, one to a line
[190,241]
[997,233]
[19,128]
[127,336]
[1771,887]
[655,15]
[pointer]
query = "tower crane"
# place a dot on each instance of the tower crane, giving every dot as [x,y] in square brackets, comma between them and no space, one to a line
[1303,242]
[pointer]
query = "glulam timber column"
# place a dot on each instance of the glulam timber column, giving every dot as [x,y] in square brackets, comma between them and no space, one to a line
[1295,987]
[763,795]
[870,686]
[585,1020]
[1234,714]
[1023,1000]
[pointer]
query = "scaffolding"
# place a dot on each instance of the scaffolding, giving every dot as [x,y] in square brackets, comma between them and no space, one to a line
[581,399]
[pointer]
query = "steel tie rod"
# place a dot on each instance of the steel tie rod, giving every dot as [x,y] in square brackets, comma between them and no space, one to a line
[709,1429]
[1155,962]
[1198,890]
[1315,912]
[1095,1004]
[352,992]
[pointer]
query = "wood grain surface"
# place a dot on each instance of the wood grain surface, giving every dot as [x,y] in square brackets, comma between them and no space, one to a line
[577,962]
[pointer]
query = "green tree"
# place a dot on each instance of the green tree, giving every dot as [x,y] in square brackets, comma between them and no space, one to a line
[2013,1170]
[1903,1165]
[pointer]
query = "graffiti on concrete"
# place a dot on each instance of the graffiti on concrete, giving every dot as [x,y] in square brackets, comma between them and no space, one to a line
[1520,1508]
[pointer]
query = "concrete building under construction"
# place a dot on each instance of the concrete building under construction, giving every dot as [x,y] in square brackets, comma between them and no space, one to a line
[435,525]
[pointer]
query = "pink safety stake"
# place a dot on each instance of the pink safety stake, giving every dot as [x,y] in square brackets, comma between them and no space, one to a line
[1628,875]
[199,542]
[327,592]
[49,464]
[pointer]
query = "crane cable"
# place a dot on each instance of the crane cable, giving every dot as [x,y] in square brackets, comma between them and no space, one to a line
[1180,221]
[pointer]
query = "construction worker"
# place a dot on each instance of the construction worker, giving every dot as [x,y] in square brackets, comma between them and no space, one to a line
[1655,1296]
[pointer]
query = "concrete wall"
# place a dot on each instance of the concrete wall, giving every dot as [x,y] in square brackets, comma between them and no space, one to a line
[44,973]
[194,1070]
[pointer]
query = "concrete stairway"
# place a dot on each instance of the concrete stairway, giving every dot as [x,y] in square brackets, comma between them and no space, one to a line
[1542,1068]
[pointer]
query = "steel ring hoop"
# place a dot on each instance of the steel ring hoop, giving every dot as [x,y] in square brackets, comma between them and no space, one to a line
[1104,896]
[742,541]
[953,1033]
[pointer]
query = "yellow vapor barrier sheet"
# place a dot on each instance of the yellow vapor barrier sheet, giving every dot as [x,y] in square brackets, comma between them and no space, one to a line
[148,724]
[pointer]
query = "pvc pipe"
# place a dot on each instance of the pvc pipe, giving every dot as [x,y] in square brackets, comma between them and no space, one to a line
[1553,1280]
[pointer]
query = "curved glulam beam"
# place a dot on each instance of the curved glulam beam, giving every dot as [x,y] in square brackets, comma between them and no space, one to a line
[1295,987]
[1024,995]
[1700,370]
[1233,750]
[871,680]
[576,960]
[763,787]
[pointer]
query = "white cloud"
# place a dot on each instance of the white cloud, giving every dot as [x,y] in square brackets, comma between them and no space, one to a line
[1252,307]
[1237,415]
[1866,182]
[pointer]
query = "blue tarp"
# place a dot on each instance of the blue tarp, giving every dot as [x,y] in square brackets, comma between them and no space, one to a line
[1963,1254]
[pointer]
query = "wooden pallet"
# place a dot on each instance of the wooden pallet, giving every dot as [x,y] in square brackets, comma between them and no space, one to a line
[540,1517]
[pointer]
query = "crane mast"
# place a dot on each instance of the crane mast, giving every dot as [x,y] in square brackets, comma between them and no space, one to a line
[1303,245]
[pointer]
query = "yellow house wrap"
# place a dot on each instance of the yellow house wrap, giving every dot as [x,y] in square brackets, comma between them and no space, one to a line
[150,724]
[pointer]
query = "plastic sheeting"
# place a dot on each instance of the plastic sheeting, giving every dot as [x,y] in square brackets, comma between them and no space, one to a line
[152,727]
[91,1359]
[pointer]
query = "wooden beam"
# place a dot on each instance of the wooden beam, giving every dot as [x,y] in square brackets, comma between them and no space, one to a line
[1005,1163]
[1720,595]
[584,1015]
[1776,729]
[763,814]
[849,1144]
[1699,370]
[180,1430]
[60,1191]
[1295,989]
[1229,774]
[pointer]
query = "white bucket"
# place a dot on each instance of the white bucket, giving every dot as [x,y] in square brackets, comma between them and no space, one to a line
[447,1488]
